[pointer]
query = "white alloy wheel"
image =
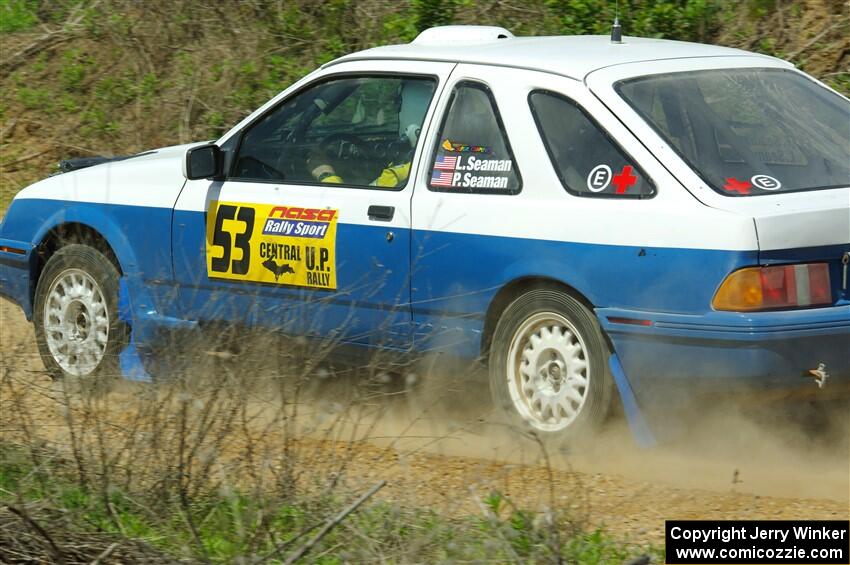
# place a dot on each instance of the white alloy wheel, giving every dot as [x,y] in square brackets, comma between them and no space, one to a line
[547,371]
[76,322]
[548,365]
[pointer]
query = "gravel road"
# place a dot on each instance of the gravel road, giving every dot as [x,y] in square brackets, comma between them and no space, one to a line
[438,450]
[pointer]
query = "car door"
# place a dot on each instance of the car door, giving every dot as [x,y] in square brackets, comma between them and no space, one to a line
[478,180]
[491,209]
[310,231]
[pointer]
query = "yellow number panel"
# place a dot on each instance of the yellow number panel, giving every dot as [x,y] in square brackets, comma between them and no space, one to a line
[286,245]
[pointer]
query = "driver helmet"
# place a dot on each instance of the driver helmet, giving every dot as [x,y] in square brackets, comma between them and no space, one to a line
[415,96]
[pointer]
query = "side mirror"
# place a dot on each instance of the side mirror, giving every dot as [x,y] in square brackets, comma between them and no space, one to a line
[203,162]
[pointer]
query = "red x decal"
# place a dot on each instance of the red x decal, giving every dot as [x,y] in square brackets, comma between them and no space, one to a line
[735,185]
[624,179]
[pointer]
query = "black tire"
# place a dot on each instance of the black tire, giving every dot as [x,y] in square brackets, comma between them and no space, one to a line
[100,366]
[519,411]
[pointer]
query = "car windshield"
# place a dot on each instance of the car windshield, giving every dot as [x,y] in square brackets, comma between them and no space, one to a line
[749,131]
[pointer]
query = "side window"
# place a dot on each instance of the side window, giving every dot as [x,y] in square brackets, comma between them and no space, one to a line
[587,160]
[473,153]
[356,131]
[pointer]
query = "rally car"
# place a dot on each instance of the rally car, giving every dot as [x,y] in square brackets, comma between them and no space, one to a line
[601,220]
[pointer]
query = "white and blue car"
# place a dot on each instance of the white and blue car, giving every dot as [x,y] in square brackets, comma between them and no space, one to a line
[600,221]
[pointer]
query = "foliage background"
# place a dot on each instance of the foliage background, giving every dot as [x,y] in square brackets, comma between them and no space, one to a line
[120,76]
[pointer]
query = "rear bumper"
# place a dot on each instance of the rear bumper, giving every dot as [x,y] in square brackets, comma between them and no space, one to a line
[16,270]
[730,351]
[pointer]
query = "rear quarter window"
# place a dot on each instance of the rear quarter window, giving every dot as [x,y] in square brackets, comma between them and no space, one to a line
[587,160]
[473,154]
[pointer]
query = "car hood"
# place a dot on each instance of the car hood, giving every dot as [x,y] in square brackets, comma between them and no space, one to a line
[151,178]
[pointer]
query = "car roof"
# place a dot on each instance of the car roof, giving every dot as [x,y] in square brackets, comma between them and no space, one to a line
[571,56]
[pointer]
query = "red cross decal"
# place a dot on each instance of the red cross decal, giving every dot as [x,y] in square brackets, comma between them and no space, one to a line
[624,179]
[735,185]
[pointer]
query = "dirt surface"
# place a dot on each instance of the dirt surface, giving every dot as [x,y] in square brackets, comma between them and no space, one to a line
[438,450]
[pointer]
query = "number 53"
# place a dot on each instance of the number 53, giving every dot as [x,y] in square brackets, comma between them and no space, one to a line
[223,239]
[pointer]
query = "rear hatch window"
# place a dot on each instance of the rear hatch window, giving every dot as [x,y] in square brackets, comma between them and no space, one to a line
[749,132]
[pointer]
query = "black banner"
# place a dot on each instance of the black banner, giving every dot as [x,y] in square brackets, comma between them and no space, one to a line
[757,541]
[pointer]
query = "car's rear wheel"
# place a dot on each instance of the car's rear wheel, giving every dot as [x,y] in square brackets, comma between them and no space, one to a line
[77,328]
[549,366]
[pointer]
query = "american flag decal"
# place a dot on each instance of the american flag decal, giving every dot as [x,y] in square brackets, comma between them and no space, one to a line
[441,178]
[445,163]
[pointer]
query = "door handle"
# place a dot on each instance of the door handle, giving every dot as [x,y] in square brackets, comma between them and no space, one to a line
[381,213]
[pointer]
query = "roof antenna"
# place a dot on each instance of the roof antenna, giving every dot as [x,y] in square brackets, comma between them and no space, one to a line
[616,30]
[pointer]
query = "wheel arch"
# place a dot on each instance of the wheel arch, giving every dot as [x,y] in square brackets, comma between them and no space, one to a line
[511,291]
[65,233]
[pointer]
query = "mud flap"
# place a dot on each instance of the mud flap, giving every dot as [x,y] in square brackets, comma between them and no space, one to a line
[146,328]
[130,360]
[637,424]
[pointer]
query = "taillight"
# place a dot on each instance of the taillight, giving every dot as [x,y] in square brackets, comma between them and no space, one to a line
[768,288]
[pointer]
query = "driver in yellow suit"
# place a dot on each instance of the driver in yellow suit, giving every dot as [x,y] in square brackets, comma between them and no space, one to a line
[414,104]
[390,177]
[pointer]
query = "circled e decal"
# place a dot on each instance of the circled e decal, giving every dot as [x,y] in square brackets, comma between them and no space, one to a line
[765,182]
[599,178]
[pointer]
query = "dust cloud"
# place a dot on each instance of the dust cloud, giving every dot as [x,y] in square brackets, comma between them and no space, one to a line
[787,458]
[785,448]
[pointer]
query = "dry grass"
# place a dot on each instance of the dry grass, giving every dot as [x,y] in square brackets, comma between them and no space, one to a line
[238,456]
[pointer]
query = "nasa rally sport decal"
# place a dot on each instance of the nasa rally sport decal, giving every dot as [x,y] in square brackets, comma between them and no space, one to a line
[285,245]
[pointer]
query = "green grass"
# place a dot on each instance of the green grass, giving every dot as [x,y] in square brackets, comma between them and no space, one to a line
[232,524]
[17,15]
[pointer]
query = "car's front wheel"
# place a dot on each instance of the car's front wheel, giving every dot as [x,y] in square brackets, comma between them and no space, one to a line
[76,320]
[549,366]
